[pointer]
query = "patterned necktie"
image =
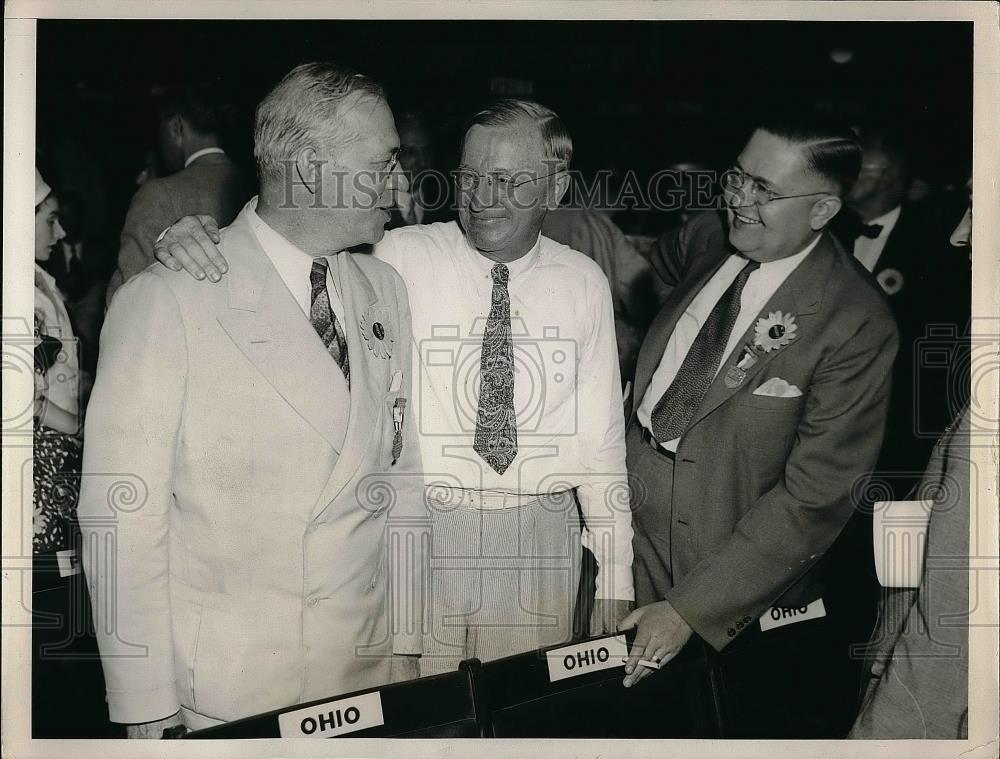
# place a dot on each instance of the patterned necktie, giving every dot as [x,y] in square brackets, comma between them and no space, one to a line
[496,426]
[323,319]
[677,405]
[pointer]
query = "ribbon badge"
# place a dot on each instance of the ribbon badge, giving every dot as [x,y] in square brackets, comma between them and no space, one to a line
[377,331]
[774,331]
[770,333]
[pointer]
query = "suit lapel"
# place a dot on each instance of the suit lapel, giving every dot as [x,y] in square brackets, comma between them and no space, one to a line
[268,326]
[368,388]
[799,295]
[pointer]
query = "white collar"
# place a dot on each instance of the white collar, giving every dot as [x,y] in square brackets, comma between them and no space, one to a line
[199,153]
[782,267]
[292,263]
[887,221]
[514,267]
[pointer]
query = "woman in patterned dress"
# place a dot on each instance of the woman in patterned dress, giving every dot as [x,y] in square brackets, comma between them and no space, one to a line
[56,410]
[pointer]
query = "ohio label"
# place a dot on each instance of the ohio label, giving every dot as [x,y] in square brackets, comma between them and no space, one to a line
[590,656]
[779,617]
[333,718]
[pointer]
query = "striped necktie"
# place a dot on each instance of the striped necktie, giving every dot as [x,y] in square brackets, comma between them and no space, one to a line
[678,403]
[496,425]
[323,319]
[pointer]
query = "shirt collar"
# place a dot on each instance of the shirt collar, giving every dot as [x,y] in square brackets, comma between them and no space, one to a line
[515,268]
[887,221]
[199,153]
[293,264]
[781,268]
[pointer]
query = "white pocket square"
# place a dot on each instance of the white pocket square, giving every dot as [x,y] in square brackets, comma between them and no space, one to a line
[778,388]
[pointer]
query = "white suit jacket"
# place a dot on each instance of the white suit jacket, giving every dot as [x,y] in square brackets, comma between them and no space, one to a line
[234,503]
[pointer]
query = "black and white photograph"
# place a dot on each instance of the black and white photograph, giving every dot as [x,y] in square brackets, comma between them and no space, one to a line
[572,379]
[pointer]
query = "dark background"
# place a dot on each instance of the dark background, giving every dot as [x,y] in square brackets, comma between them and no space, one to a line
[636,95]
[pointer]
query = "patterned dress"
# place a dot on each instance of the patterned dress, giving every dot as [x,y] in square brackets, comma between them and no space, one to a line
[56,481]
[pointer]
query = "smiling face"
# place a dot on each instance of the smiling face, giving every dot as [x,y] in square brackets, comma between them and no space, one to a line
[782,227]
[504,226]
[48,230]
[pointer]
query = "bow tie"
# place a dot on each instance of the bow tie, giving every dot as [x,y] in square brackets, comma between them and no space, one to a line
[871,231]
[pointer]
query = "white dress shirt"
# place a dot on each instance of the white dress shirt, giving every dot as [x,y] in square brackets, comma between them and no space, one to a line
[567,389]
[760,286]
[294,265]
[869,250]
[199,153]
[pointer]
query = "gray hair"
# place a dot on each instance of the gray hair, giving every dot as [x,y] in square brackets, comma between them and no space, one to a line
[556,141]
[303,109]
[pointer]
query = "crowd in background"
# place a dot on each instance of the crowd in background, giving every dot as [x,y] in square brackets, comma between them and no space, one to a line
[896,223]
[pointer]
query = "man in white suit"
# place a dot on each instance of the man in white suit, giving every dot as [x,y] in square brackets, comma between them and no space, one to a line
[255,417]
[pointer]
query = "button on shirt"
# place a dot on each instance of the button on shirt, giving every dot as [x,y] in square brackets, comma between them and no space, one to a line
[868,251]
[567,389]
[760,286]
[293,264]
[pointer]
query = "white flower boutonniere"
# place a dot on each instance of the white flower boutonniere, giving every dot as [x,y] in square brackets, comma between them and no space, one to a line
[378,332]
[891,281]
[774,331]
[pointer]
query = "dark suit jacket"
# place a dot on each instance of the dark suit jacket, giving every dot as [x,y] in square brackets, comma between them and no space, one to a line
[932,309]
[762,486]
[212,185]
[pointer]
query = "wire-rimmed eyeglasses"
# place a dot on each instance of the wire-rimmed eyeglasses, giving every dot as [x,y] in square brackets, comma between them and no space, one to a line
[468,180]
[735,180]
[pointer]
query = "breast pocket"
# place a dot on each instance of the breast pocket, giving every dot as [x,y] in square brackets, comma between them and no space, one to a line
[774,403]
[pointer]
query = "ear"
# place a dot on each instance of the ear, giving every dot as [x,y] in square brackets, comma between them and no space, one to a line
[308,170]
[559,188]
[176,128]
[823,211]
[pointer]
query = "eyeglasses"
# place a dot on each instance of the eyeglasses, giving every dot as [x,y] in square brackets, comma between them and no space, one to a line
[735,180]
[469,180]
[393,162]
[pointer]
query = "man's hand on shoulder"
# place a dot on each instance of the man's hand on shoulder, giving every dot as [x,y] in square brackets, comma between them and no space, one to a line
[190,244]
[153,730]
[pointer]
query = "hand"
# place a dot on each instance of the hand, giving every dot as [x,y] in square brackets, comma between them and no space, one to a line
[607,615]
[153,730]
[189,244]
[404,667]
[661,635]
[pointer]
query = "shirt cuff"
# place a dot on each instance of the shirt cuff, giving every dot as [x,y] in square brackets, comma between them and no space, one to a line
[135,707]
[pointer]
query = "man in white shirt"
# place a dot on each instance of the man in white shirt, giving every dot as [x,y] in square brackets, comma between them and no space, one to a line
[519,400]
[251,573]
[760,393]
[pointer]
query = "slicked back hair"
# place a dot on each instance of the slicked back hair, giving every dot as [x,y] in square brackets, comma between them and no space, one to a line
[832,150]
[304,110]
[199,105]
[557,144]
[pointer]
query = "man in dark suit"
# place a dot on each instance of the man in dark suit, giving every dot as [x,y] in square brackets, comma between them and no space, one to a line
[759,403]
[904,246]
[203,179]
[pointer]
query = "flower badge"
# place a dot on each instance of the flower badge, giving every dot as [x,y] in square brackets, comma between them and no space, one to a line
[378,331]
[774,331]
[891,281]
